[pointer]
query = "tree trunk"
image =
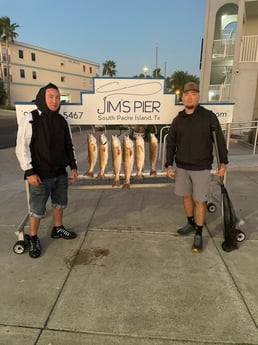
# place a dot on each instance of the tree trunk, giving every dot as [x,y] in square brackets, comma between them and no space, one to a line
[8,75]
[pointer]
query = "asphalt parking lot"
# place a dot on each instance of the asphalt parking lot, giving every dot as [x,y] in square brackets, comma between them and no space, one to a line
[8,130]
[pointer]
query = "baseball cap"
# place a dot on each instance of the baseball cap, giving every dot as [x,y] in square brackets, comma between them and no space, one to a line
[191,86]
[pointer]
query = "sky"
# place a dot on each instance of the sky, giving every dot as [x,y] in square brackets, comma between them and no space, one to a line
[133,33]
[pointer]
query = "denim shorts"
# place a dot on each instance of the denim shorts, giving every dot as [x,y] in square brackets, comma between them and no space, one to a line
[195,183]
[55,187]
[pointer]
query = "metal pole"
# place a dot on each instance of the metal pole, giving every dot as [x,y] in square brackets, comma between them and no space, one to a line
[255,140]
[156,72]
[228,130]
[164,152]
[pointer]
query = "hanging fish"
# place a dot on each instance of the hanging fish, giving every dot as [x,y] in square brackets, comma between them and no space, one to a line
[103,155]
[116,159]
[139,156]
[128,159]
[153,153]
[92,154]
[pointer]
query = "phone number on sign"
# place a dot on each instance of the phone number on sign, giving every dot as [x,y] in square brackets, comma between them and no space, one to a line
[73,115]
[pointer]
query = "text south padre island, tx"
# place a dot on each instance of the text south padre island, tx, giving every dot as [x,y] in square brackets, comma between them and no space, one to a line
[129,110]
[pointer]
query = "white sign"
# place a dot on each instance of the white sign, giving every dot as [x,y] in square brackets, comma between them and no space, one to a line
[127,101]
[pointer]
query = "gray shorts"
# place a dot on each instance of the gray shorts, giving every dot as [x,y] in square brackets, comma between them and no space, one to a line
[195,183]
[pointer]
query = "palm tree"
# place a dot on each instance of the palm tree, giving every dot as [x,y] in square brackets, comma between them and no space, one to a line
[109,68]
[157,73]
[177,80]
[7,34]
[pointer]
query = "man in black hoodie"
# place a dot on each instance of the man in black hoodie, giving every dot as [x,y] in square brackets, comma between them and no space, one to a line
[44,149]
[190,146]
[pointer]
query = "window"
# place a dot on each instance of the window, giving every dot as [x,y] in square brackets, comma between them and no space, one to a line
[20,54]
[62,79]
[34,75]
[90,70]
[22,73]
[5,72]
[65,98]
[33,56]
[4,54]
[226,22]
[83,68]
[223,52]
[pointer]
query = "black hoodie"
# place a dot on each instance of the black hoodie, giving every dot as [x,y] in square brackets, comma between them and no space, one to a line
[190,140]
[51,144]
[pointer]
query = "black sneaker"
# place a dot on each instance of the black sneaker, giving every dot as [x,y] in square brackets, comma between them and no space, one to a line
[61,232]
[34,248]
[197,244]
[186,230]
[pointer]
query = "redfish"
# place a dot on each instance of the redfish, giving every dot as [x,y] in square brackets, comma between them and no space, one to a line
[128,160]
[116,159]
[153,153]
[103,155]
[92,154]
[139,156]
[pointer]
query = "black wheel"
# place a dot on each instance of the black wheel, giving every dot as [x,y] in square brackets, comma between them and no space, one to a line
[240,236]
[19,247]
[211,207]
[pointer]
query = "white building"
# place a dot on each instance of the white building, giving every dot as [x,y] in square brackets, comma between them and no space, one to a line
[32,67]
[229,67]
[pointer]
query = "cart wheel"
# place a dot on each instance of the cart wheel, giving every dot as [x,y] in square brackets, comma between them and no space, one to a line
[240,236]
[211,207]
[19,247]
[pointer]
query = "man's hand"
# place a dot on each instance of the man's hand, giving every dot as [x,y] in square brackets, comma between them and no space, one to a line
[74,175]
[222,169]
[34,180]
[170,172]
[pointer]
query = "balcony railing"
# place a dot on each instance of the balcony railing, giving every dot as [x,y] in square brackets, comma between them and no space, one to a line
[249,49]
[219,93]
[223,48]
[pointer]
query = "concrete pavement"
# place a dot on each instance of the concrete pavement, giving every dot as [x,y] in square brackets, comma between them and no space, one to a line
[127,279]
